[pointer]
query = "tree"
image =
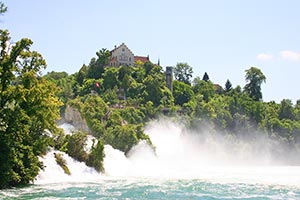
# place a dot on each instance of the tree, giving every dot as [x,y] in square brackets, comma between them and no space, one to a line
[286,110]
[110,77]
[183,72]
[96,156]
[56,76]
[148,66]
[228,86]
[28,106]
[124,137]
[254,78]
[75,146]
[205,77]
[182,93]
[95,111]
[82,74]
[103,57]
[96,66]
[153,90]
[125,78]
[207,89]
[297,110]
[3,8]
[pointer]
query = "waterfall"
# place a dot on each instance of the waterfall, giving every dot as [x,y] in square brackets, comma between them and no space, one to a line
[182,155]
[179,155]
[53,173]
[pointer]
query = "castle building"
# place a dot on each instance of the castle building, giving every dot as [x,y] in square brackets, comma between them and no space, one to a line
[123,56]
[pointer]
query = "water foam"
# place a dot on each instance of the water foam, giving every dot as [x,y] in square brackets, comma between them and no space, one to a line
[53,173]
[179,155]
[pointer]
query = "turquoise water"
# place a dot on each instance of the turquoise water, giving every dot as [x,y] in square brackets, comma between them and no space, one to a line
[138,189]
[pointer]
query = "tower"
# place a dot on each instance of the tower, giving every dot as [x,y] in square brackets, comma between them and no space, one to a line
[169,78]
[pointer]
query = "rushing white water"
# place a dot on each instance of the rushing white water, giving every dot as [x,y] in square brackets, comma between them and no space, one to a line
[53,173]
[181,155]
[68,128]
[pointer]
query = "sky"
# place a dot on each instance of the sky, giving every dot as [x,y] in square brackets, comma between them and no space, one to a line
[221,37]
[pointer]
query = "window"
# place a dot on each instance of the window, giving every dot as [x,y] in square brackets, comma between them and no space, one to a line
[123,49]
[129,59]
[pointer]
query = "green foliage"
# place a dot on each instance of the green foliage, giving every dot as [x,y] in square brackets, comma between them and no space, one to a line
[95,158]
[148,66]
[28,106]
[167,100]
[59,141]
[254,78]
[65,84]
[82,74]
[95,111]
[89,86]
[183,73]
[110,76]
[110,96]
[286,110]
[62,163]
[205,88]
[153,90]
[75,146]
[228,86]
[97,65]
[132,115]
[138,73]
[56,76]
[182,92]
[124,137]
[205,77]
[125,77]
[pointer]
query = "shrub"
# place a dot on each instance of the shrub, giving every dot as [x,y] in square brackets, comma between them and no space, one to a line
[62,163]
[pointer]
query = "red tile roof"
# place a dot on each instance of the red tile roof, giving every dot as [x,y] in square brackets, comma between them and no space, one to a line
[141,58]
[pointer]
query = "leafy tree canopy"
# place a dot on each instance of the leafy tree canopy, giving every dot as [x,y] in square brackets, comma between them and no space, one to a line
[183,72]
[254,78]
[28,106]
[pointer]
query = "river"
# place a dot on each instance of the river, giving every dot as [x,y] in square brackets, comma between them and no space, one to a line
[184,166]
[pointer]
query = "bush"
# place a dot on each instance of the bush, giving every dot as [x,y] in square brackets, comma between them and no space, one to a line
[95,158]
[75,146]
[62,163]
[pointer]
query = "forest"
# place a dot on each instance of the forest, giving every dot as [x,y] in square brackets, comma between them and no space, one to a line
[117,103]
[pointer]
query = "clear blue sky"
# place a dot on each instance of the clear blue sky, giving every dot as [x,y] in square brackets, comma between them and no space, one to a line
[222,38]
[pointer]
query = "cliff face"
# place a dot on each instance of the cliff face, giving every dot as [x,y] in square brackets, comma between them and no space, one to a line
[73,117]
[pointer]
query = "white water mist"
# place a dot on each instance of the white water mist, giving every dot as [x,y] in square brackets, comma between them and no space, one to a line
[181,154]
[53,173]
[184,155]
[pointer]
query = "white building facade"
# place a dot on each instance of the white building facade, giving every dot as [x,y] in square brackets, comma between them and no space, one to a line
[121,55]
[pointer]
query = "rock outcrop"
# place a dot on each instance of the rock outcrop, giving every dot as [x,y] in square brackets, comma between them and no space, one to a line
[73,116]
